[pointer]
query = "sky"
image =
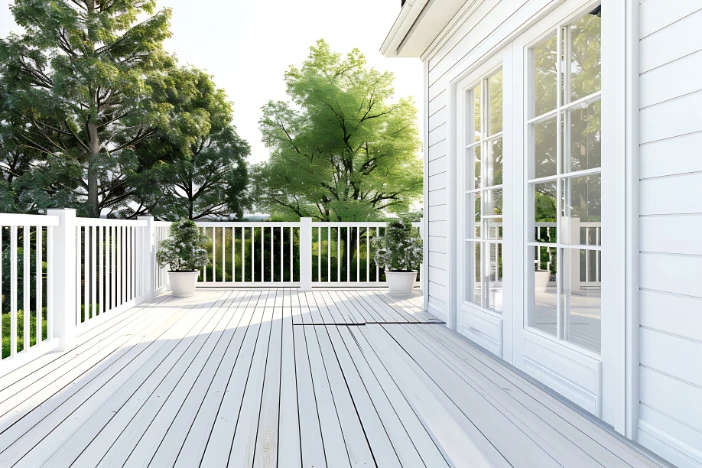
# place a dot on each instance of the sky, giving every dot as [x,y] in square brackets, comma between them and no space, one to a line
[247,45]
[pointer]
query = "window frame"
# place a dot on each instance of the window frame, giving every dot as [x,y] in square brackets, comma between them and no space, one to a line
[483,242]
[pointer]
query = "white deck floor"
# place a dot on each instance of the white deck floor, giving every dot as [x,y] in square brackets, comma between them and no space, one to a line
[280,378]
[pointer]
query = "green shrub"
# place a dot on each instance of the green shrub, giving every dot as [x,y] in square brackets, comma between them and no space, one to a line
[400,249]
[184,250]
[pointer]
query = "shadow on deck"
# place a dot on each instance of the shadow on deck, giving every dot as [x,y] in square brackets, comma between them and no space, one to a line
[277,377]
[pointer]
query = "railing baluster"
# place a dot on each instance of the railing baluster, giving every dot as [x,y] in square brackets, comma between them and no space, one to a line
[243,254]
[367,255]
[214,254]
[348,254]
[292,258]
[377,268]
[49,283]
[93,271]
[263,255]
[272,255]
[40,281]
[27,283]
[113,266]
[319,254]
[282,256]
[328,254]
[358,254]
[338,254]
[86,269]
[13,291]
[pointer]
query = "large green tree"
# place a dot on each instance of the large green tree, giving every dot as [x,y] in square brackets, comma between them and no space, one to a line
[79,80]
[196,167]
[342,149]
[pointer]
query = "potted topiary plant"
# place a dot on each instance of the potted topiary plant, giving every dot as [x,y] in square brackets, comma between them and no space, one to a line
[400,253]
[184,253]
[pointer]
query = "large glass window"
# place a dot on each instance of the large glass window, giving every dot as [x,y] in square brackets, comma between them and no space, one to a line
[564,182]
[483,193]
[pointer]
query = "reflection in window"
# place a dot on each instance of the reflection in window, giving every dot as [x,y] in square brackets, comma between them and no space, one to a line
[564,128]
[483,196]
[545,59]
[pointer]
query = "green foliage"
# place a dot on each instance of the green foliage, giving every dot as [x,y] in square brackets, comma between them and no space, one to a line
[341,150]
[184,250]
[6,323]
[79,80]
[196,167]
[95,115]
[400,249]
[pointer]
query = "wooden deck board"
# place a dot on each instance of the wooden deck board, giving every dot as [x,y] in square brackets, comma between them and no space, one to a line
[277,377]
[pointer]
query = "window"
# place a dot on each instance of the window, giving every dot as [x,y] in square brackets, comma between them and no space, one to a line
[564,182]
[483,193]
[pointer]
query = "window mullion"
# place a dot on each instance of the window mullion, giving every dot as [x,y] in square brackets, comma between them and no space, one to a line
[484,108]
[559,128]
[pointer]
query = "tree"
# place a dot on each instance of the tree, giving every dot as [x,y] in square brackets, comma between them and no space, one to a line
[340,150]
[80,78]
[196,167]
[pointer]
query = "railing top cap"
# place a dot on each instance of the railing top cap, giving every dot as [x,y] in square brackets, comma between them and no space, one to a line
[11,219]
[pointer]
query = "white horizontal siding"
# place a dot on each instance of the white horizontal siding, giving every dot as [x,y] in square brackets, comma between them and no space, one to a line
[672,194]
[673,156]
[438,244]
[680,312]
[673,42]
[658,14]
[655,86]
[677,274]
[670,262]
[674,234]
[657,391]
[673,118]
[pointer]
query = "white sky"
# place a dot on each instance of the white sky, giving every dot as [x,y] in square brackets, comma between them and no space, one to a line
[247,45]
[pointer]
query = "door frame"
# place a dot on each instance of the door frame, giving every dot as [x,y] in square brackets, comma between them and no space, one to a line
[618,381]
[490,329]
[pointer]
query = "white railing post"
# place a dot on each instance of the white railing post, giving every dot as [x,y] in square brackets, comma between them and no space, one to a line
[62,270]
[306,254]
[146,253]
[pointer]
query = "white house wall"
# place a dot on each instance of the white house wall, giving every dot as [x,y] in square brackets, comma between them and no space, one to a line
[492,24]
[670,169]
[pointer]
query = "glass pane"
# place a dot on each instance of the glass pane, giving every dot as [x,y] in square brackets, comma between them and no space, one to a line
[493,202]
[494,163]
[545,209]
[582,207]
[474,120]
[544,301]
[493,228]
[580,301]
[473,209]
[585,55]
[473,168]
[474,279]
[584,141]
[545,145]
[494,274]
[545,57]
[495,103]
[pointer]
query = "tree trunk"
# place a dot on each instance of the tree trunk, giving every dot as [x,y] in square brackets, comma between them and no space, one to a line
[93,203]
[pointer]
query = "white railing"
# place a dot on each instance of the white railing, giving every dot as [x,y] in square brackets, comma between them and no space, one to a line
[25,289]
[61,275]
[296,254]
[252,254]
[589,233]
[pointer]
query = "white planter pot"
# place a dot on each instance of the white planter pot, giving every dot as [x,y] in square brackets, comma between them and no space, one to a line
[541,279]
[183,282]
[400,282]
